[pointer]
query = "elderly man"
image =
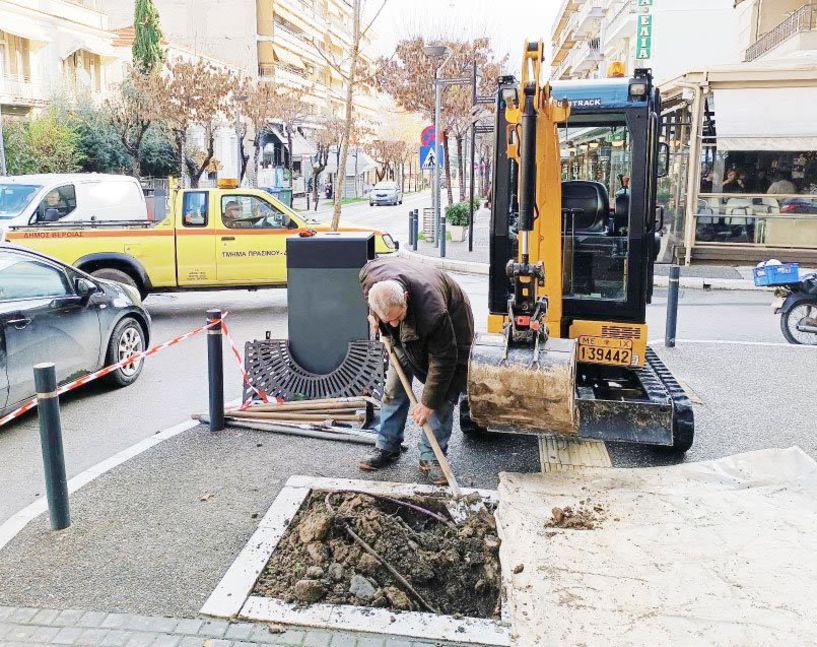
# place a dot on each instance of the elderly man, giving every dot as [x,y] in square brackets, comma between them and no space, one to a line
[428,319]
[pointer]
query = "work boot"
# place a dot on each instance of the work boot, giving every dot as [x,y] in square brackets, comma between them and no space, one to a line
[434,472]
[377,458]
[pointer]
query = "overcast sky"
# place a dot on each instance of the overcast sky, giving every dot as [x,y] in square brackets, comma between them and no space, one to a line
[507,22]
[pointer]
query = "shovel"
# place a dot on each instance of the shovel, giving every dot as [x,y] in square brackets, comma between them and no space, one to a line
[459,507]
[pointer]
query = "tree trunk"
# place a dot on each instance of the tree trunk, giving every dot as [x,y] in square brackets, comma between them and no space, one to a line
[447,168]
[461,168]
[347,126]
[180,153]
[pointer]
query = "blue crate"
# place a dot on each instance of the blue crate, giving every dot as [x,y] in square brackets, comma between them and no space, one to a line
[784,274]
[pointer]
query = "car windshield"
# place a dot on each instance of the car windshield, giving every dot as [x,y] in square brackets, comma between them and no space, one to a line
[390,186]
[14,198]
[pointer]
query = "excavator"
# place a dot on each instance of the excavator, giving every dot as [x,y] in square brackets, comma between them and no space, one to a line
[574,234]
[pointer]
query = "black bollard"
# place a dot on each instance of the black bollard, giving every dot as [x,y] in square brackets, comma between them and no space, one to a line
[672,306]
[48,410]
[411,228]
[215,371]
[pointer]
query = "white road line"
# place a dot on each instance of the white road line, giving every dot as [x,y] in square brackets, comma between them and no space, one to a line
[773,344]
[14,524]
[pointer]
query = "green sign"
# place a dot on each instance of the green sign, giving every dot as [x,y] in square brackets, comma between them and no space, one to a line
[645,3]
[643,37]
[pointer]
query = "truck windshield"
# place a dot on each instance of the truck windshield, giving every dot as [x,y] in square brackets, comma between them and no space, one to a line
[14,198]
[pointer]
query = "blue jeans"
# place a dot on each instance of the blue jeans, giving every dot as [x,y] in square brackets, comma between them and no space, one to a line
[394,413]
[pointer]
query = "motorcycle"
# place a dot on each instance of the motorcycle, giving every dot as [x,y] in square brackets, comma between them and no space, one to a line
[797,305]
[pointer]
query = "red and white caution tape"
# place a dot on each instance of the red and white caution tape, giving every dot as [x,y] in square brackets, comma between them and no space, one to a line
[244,374]
[28,406]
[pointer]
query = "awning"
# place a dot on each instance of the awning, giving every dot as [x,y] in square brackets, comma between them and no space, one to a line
[18,25]
[766,119]
[68,44]
[285,56]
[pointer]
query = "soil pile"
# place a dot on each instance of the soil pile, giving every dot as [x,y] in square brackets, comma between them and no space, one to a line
[450,569]
[582,517]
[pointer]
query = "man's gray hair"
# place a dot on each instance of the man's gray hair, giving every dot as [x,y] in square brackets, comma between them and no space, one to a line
[385,295]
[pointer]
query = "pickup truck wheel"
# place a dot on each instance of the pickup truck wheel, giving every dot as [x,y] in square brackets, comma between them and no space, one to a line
[119,276]
[127,339]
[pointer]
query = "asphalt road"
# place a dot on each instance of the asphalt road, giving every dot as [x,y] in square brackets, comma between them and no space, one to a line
[98,422]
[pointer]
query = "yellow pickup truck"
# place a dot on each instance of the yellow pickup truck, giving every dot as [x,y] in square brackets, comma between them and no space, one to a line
[212,238]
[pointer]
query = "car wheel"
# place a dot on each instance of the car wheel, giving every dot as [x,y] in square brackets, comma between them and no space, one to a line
[119,276]
[127,339]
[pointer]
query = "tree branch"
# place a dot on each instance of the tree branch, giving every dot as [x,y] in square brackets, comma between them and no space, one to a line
[371,22]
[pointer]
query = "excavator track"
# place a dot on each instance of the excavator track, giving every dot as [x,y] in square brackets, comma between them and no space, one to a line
[644,405]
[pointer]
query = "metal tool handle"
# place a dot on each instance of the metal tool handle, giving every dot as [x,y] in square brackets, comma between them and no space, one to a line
[432,439]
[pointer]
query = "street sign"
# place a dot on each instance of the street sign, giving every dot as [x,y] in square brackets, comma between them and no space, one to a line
[488,98]
[643,47]
[428,157]
[427,136]
[483,130]
[645,3]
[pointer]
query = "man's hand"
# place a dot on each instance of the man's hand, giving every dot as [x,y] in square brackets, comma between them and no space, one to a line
[374,325]
[421,413]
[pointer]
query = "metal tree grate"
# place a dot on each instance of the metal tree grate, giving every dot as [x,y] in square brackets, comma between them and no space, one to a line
[272,368]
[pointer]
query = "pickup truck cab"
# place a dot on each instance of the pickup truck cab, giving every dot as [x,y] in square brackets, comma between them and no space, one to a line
[212,238]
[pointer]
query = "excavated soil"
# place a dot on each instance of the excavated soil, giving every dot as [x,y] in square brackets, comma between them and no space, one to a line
[583,517]
[454,569]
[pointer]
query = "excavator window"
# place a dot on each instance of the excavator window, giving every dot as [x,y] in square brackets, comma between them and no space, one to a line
[596,163]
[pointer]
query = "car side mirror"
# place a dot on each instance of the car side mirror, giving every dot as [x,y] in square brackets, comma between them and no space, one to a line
[85,288]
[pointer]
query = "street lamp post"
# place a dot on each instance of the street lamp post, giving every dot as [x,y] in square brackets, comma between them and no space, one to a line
[437,51]
[2,147]
[239,99]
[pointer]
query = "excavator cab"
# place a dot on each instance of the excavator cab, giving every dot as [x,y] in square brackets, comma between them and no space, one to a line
[595,230]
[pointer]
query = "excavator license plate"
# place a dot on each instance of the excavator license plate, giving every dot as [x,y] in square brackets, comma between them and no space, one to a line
[605,350]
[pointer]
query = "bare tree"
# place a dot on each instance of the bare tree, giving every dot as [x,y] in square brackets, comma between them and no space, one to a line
[292,111]
[408,76]
[351,76]
[133,110]
[195,94]
[325,137]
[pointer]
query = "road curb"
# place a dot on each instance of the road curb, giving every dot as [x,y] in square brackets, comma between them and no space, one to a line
[689,282]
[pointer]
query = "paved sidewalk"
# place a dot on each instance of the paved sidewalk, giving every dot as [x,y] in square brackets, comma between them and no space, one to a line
[29,626]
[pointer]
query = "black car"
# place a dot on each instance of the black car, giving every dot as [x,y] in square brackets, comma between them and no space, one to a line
[51,312]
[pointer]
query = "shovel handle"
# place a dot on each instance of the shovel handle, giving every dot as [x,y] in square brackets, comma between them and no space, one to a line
[432,439]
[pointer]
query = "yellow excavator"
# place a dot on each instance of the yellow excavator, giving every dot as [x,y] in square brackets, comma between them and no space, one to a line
[574,234]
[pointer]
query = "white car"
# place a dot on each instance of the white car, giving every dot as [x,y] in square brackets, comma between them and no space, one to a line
[386,192]
[72,197]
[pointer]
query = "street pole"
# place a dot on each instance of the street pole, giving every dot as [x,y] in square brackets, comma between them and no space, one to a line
[437,202]
[473,152]
[2,146]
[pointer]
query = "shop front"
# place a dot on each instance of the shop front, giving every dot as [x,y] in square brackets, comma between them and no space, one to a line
[743,181]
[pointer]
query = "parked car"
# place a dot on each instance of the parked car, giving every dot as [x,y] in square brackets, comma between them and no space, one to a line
[51,312]
[386,192]
[72,197]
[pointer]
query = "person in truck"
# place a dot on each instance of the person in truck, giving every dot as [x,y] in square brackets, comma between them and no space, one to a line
[234,216]
[429,321]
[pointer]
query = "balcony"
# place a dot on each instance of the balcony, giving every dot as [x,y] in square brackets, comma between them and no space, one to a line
[588,19]
[586,58]
[801,22]
[564,43]
[21,91]
[621,25]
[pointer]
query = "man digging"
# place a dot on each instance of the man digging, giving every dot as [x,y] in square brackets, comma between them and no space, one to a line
[429,322]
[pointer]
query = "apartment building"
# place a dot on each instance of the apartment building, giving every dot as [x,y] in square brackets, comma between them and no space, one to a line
[53,48]
[588,35]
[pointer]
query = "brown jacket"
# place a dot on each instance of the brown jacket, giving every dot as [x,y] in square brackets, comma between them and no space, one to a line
[436,335]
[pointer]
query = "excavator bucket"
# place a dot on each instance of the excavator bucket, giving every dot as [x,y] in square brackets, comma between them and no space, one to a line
[523,388]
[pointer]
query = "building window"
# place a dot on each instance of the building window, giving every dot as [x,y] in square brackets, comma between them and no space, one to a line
[83,70]
[15,56]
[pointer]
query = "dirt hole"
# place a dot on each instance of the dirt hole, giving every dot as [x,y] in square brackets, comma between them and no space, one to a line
[454,569]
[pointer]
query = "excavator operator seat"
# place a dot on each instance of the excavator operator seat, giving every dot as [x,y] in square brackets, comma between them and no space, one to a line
[586,206]
[621,213]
